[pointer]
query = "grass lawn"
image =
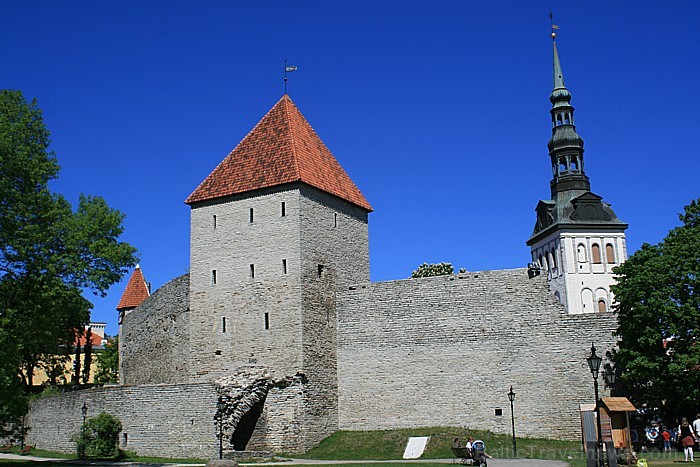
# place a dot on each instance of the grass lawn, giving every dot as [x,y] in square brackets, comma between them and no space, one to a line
[389,445]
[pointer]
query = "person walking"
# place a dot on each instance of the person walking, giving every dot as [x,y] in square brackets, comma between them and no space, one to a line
[687,436]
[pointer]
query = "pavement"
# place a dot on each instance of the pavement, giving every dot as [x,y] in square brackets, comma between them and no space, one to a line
[295,462]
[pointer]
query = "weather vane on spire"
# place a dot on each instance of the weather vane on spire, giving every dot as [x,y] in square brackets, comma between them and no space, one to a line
[554,26]
[287,69]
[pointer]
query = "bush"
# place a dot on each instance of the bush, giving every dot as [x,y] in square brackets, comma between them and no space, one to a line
[99,437]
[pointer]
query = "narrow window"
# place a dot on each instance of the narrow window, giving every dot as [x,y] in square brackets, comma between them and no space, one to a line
[554,258]
[223,324]
[214,220]
[595,253]
[284,266]
[610,253]
[251,215]
[498,412]
[267,320]
[284,209]
[335,219]
[581,253]
[252,271]
[213,276]
[320,270]
[601,306]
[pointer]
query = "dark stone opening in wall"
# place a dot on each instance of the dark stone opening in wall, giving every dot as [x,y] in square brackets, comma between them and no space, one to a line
[246,426]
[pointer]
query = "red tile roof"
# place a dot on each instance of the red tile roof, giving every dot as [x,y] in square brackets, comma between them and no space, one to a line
[136,291]
[96,339]
[281,148]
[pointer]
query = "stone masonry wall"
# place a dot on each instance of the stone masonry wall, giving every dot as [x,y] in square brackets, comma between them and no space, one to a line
[335,248]
[155,337]
[245,298]
[167,420]
[158,420]
[444,351]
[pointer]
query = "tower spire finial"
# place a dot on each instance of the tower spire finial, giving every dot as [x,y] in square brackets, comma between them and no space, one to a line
[554,26]
[287,69]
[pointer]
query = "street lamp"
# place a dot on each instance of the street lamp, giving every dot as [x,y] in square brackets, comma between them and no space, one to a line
[511,398]
[220,406]
[609,376]
[84,410]
[594,362]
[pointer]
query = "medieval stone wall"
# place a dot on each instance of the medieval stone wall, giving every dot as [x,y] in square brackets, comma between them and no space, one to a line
[444,351]
[245,300]
[335,248]
[167,420]
[157,337]
[158,420]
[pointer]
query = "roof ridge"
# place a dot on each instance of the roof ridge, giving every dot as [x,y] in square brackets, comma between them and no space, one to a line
[290,124]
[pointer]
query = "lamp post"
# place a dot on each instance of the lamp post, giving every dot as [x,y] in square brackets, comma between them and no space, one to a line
[609,376]
[594,362]
[220,415]
[511,398]
[84,410]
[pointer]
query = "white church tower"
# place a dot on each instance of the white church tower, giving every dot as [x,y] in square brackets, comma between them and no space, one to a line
[577,239]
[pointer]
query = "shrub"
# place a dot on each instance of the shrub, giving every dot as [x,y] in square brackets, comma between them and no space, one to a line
[99,437]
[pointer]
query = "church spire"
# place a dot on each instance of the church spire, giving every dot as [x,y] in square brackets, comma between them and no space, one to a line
[565,145]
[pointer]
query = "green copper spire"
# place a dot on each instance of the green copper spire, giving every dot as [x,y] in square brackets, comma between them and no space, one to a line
[558,75]
[565,145]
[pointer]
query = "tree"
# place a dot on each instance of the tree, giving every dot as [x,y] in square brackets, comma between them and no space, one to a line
[108,362]
[429,270]
[49,253]
[87,359]
[658,311]
[99,437]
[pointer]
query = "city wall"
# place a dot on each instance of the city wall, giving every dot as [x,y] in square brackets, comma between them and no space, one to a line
[444,351]
[158,420]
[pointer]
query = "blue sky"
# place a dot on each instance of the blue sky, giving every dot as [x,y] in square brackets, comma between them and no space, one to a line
[437,110]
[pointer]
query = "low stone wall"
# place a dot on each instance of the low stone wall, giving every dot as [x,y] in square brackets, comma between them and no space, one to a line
[444,351]
[169,420]
[158,420]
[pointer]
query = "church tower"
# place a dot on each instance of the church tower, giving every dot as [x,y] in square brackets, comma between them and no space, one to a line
[276,228]
[577,238]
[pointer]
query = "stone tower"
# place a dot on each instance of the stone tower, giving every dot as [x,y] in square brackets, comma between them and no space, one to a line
[275,229]
[577,238]
[137,290]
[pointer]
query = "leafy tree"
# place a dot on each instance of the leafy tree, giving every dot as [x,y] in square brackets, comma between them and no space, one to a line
[108,362]
[99,437]
[429,270]
[75,379]
[658,312]
[87,359]
[49,253]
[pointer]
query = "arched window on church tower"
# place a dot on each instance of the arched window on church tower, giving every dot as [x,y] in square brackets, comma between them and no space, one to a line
[601,306]
[581,253]
[595,253]
[610,253]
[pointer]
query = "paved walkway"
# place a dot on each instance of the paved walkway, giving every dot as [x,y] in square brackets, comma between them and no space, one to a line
[295,462]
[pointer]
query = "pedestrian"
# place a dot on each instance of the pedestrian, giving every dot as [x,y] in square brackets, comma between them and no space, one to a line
[666,437]
[696,425]
[687,437]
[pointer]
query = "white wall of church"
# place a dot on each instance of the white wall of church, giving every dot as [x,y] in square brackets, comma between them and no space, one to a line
[579,267]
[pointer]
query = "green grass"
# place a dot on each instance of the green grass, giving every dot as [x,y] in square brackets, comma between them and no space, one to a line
[385,445]
[390,444]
